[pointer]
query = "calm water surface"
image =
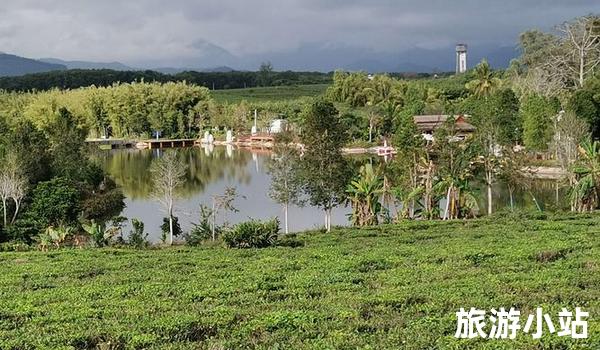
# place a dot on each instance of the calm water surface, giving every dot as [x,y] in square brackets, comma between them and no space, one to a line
[211,171]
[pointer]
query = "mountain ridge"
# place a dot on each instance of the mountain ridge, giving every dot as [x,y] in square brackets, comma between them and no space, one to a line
[13,65]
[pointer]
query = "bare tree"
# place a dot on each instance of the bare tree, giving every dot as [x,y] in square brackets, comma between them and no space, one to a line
[18,191]
[569,132]
[546,81]
[4,195]
[579,50]
[13,185]
[168,174]
[490,155]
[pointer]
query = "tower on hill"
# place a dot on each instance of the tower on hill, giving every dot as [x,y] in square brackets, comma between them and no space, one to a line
[461,58]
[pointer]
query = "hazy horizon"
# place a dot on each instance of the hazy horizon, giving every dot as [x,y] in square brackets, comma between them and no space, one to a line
[292,34]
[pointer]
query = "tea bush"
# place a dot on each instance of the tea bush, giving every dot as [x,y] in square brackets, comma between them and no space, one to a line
[386,287]
[252,234]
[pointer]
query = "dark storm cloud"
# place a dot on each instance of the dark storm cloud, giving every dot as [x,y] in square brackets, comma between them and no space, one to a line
[169,31]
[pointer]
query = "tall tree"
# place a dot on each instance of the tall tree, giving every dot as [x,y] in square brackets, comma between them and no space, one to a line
[537,113]
[265,74]
[325,171]
[67,139]
[286,187]
[455,160]
[13,185]
[484,82]
[580,47]
[168,175]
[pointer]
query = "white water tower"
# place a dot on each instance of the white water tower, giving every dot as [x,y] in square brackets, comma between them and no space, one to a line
[461,58]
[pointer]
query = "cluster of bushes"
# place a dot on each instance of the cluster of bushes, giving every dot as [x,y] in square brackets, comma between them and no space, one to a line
[47,181]
[252,234]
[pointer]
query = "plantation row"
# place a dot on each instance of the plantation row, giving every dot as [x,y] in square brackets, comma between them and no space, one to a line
[387,287]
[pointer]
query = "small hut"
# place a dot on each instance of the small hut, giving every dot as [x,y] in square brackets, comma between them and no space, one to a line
[427,124]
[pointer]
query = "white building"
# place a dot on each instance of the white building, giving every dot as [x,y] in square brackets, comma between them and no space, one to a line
[277,126]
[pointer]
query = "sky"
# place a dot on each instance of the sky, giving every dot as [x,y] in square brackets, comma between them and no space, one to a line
[183,32]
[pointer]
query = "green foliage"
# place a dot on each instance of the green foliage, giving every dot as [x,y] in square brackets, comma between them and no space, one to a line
[325,172]
[55,202]
[585,104]
[23,230]
[286,186]
[537,114]
[364,193]
[54,235]
[137,237]
[484,82]
[500,109]
[586,189]
[202,231]
[390,287]
[76,78]
[252,234]
[31,147]
[265,74]
[66,146]
[165,228]
[101,202]
[100,234]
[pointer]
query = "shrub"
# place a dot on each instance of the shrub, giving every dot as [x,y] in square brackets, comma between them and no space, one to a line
[202,231]
[99,233]
[14,246]
[137,238]
[252,234]
[25,229]
[55,202]
[165,228]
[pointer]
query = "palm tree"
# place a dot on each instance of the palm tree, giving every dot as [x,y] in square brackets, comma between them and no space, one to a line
[363,194]
[584,193]
[484,83]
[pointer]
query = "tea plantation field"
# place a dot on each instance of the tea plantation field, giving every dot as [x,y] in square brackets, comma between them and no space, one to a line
[269,94]
[387,287]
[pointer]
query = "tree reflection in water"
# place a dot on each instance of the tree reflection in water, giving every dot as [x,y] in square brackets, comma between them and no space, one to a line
[130,168]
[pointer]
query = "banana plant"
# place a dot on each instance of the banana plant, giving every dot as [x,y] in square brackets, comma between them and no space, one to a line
[584,193]
[99,233]
[57,235]
[364,194]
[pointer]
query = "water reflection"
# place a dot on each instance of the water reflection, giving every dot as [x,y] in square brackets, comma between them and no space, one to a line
[130,168]
[212,169]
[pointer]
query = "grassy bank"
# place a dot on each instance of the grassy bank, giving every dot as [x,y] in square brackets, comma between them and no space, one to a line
[269,94]
[385,287]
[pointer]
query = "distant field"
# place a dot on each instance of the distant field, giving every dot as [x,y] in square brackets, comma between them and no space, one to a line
[387,287]
[265,94]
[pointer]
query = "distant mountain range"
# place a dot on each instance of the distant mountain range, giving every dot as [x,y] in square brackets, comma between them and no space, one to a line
[172,70]
[12,65]
[86,64]
[309,57]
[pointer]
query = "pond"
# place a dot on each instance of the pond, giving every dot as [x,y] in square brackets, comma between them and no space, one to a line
[212,170]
